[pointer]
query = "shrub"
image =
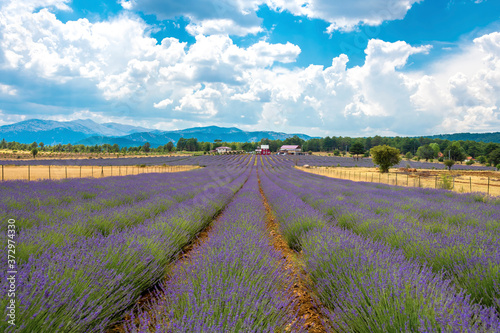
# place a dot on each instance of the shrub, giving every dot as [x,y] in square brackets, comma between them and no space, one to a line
[441,159]
[445,183]
[469,162]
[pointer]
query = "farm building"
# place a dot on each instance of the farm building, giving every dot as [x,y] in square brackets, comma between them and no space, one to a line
[221,150]
[263,150]
[290,149]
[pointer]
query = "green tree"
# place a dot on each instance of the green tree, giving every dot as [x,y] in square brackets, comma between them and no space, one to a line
[449,164]
[357,149]
[169,146]
[34,152]
[435,147]
[426,152]
[247,146]
[146,147]
[385,157]
[181,144]
[455,152]
[494,157]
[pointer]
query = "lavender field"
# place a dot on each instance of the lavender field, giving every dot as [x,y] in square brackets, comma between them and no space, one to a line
[312,160]
[196,251]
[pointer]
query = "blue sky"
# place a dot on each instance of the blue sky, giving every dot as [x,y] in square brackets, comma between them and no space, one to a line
[323,67]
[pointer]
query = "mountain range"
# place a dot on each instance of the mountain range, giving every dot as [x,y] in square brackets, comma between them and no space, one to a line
[88,132]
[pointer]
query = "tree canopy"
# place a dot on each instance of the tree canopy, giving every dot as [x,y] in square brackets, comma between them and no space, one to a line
[385,157]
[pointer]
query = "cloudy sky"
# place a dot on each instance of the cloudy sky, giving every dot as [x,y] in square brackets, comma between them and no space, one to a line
[320,67]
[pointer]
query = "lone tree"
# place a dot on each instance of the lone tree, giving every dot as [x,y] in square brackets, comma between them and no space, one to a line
[385,157]
[449,164]
[357,149]
[34,151]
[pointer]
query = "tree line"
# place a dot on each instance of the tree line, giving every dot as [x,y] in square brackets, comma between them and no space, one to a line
[420,148]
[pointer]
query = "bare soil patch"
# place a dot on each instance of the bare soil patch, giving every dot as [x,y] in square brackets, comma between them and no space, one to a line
[308,309]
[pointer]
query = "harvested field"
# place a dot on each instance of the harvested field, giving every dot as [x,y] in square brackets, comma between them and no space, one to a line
[463,181]
[40,172]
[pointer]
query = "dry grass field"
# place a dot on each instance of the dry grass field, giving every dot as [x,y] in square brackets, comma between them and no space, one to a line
[459,180]
[39,172]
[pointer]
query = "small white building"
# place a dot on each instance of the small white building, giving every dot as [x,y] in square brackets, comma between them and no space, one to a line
[221,150]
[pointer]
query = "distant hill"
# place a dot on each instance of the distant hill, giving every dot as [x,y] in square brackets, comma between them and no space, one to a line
[88,132]
[52,132]
[210,133]
[479,137]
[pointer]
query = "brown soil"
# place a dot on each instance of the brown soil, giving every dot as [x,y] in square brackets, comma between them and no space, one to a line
[462,180]
[307,308]
[39,172]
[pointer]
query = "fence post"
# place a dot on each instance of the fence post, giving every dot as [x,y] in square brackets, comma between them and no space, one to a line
[436,182]
[80,171]
[102,171]
[49,171]
[66,172]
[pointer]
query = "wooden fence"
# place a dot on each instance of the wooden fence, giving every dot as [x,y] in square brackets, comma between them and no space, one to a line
[463,184]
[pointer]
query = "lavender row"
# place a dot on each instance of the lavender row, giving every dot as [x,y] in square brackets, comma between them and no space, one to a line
[447,231]
[370,287]
[43,202]
[350,287]
[235,282]
[86,286]
[130,161]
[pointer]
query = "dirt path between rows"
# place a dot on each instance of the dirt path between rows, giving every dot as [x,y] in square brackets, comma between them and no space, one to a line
[307,309]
